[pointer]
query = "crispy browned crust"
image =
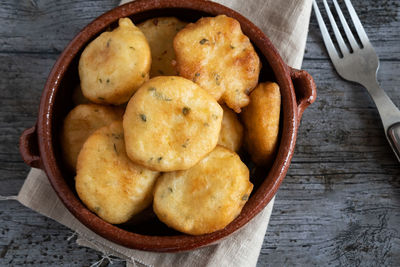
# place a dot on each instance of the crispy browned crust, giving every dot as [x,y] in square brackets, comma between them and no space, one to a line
[107,182]
[206,197]
[114,65]
[214,53]
[261,121]
[80,123]
[231,135]
[160,33]
[171,123]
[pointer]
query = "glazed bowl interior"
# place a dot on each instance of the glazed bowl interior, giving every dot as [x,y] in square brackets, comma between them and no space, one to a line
[145,231]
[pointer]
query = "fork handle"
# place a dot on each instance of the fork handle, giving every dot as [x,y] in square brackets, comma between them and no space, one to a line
[389,113]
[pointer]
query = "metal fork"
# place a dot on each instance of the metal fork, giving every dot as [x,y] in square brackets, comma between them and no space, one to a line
[360,66]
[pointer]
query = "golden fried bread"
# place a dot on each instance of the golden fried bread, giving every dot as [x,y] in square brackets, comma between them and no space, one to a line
[206,197]
[80,123]
[231,134]
[170,124]
[114,65]
[214,53]
[107,182]
[261,121]
[160,33]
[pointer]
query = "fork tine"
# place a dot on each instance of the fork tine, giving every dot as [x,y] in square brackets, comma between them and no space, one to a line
[325,34]
[336,31]
[346,27]
[357,23]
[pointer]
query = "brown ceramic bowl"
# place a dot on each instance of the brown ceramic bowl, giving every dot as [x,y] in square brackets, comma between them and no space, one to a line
[40,146]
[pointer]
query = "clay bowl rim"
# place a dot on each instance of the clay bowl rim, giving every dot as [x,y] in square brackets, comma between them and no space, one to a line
[183,242]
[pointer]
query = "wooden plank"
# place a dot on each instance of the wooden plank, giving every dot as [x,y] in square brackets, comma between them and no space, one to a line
[339,204]
[28,238]
[45,26]
[63,19]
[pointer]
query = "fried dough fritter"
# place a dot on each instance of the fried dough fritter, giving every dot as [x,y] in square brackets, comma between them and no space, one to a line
[261,121]
[206,197]
[80,123]
[231,135]
[107,182]
[160,33]
[214,53]
[170,124]
[114,65]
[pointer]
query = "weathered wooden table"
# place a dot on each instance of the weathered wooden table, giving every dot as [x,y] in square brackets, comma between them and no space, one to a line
[339,204]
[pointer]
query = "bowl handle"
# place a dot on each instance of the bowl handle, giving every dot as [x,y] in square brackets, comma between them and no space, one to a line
[29,149]
[305,89]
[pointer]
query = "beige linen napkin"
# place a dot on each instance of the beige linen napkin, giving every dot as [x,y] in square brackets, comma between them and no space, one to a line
[286,23]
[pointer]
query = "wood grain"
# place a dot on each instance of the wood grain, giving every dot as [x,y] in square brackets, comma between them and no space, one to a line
[338,205]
